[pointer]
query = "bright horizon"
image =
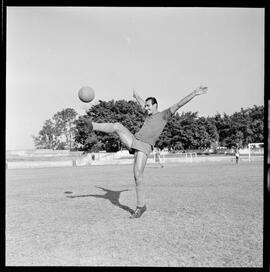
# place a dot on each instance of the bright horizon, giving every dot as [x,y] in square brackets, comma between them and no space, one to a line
[161,52]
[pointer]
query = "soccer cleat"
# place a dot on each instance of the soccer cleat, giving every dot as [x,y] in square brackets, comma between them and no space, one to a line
[138,212]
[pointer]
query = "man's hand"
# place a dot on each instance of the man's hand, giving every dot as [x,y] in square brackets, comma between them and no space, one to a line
[135,94]
[201,90]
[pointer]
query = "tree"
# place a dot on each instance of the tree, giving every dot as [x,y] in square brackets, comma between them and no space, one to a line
[185,131]
[208,134]
[257,124]
[241,128]
[48,137]
[64,122]
[58,132]
[182,132]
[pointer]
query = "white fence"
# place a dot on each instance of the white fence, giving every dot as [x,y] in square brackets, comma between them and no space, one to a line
[78,159]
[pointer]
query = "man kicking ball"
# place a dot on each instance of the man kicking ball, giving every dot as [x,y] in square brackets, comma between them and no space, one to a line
[141,143]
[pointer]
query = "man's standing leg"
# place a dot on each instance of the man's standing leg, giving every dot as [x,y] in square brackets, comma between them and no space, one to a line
[140,160]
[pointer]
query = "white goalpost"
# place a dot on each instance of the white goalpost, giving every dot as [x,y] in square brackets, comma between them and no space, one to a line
[190,156]
[187,156]
[255,149]
[159,157]
[162,157]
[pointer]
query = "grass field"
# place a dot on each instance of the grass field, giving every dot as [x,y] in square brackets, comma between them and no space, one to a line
[203,214]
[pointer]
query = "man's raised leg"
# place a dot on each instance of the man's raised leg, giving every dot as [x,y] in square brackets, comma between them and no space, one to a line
[124,134]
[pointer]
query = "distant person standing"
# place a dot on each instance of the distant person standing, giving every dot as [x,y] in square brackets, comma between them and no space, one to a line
[236,155]
[157,157]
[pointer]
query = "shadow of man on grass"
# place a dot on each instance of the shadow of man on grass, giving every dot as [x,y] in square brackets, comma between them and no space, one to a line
[112,196]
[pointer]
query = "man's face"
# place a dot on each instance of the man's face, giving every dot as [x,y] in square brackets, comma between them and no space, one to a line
[150,109]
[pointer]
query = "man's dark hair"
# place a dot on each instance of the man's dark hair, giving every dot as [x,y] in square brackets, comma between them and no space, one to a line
[153,100]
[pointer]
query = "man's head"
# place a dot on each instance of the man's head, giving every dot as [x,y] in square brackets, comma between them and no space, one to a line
[151,105]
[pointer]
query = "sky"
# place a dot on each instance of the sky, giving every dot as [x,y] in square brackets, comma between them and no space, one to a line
[163,52]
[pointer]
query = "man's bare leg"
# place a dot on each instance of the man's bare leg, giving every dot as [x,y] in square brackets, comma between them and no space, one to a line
[140,160]
[124,134]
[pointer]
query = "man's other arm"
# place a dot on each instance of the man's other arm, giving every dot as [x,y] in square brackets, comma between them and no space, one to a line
[185,100]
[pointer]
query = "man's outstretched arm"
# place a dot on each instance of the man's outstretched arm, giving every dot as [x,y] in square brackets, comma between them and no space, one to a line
[139,99]
[182,102]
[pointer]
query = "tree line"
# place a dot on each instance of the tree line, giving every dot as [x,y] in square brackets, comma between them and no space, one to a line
[185,131]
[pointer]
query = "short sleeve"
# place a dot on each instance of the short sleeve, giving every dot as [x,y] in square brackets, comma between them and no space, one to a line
[166,114]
